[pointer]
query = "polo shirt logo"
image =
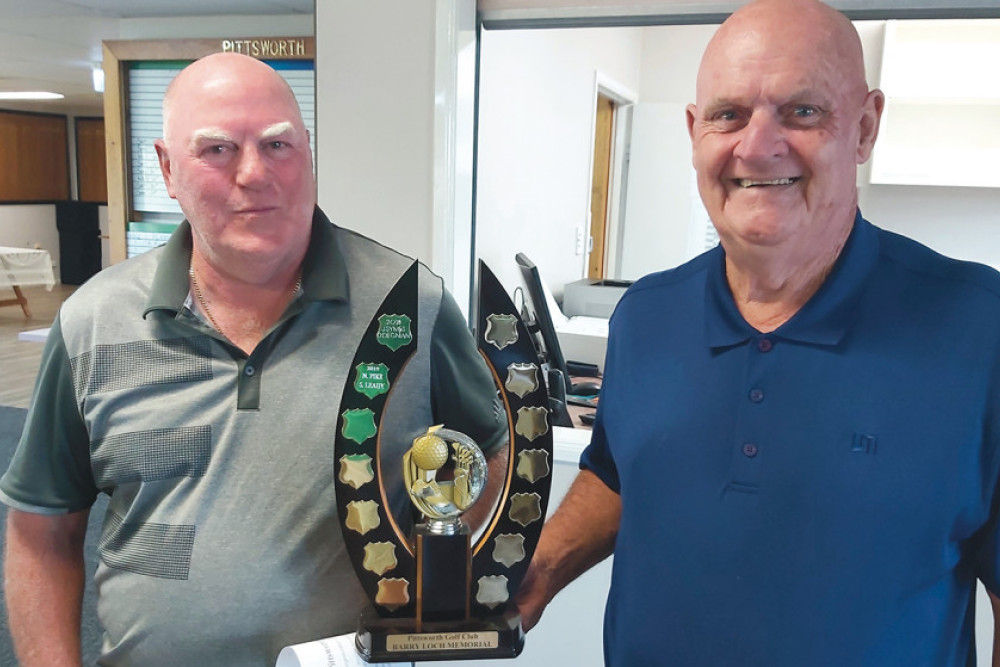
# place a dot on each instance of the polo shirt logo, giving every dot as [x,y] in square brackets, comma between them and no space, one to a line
[864,443]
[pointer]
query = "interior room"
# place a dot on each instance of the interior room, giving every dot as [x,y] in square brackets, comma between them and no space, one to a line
[538,92]
[459,130]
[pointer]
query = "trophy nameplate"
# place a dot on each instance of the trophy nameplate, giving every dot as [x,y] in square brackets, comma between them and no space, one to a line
[437,593]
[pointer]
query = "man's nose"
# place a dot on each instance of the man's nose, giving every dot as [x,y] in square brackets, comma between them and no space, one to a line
[762,138]
[251,171]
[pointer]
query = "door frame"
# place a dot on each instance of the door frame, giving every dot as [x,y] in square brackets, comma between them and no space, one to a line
[624,99]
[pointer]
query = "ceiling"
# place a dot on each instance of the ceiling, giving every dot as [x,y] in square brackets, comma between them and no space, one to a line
[52,45]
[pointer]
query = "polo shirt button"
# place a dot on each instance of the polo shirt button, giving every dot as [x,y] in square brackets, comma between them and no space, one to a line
[764,344]
[750,450]
[249,370]
[756,395]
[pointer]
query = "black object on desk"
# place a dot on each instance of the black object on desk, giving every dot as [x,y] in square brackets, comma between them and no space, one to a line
[588,418]
[540,321]
[558,412]
[583,369]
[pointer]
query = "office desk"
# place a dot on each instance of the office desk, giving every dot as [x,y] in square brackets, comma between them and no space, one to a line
[20,267]
[583,338]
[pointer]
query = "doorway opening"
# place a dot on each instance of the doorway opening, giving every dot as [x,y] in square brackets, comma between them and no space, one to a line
[609,174]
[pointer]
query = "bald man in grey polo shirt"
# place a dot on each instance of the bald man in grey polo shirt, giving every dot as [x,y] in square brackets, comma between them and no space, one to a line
[198,386]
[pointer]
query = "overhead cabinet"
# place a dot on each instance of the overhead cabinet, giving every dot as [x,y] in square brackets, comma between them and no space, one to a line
[941,124]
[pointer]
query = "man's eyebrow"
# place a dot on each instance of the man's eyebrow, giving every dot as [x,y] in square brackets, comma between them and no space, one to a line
[717,103]
[799,96]
[211,134]
[276,130]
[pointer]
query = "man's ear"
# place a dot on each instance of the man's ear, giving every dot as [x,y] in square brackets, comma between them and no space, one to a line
[164,157]
[691,112]
[871,116]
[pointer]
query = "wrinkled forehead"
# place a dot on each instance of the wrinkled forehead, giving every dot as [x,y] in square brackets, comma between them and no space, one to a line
[234,120]
[237,97]
[766,57]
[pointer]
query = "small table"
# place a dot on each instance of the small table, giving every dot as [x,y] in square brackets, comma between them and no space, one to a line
[20,267]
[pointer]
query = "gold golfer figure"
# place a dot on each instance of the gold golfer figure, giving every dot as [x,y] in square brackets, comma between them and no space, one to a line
[443,501]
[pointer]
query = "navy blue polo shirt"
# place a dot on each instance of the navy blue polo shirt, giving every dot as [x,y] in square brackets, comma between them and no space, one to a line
[824,494]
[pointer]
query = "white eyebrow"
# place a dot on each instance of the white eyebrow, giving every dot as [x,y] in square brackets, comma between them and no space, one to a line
[277,130]
[211,134]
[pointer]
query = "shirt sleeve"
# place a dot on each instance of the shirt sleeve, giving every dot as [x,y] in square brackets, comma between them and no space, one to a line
[50,472]
[986,543]
[463,393]
[597,456]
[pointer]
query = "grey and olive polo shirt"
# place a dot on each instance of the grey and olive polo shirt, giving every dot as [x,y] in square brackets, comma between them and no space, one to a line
[221,543]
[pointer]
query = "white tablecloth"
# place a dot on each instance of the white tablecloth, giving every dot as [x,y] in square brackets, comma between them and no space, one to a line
[25,266]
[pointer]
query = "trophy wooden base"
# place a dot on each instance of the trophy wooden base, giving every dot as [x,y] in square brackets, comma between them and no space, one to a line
[398,639]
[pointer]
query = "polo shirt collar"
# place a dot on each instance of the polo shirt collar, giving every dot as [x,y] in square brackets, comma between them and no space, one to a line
[324,272]
[170,282]
[823,320]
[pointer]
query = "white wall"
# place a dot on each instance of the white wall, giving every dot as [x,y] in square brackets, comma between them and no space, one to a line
[375,119]
[30,226]
[536,127]
[960,222]
[196,27]
[34,225]
[654,233]
[660,184]
[395,91]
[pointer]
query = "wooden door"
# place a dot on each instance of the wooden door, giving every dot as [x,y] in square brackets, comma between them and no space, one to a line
[91,161]
[600,185]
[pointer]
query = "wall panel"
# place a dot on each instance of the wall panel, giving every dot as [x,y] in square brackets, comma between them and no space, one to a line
[34,162]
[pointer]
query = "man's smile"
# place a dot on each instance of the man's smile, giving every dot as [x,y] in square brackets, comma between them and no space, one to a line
[753,183]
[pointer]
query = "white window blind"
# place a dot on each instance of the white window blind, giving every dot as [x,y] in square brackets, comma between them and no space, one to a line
[145,125]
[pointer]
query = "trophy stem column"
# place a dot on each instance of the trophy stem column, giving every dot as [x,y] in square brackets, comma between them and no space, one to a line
[444,575]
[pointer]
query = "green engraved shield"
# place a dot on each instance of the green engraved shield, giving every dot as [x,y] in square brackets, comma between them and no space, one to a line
[394,331]
[371,379]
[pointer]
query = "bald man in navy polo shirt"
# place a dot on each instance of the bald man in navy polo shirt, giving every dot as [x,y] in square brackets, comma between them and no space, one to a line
[796,453]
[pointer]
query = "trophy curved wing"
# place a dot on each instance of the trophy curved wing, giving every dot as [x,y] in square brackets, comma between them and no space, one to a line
[382,556]
[503,551]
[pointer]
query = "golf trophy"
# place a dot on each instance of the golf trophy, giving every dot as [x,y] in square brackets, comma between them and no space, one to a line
[440,591]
